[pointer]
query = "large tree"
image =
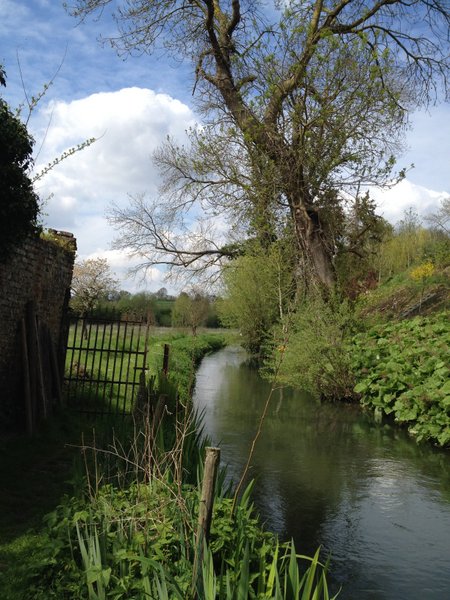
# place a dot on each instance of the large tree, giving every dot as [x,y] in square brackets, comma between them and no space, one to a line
[316,92]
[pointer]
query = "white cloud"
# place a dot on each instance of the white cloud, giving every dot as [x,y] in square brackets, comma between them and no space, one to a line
[129,124]
[393,203]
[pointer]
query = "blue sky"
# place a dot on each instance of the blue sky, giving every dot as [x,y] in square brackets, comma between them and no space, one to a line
[132,105]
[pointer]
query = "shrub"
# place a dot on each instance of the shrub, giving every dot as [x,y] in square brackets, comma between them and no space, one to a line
[316,357]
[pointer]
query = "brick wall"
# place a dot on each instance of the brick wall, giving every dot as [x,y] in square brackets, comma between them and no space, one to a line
[40,271]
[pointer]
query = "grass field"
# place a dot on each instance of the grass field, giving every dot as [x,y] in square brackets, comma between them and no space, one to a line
[104,361]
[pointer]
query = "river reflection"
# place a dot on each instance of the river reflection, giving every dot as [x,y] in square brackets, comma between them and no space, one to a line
[329,475]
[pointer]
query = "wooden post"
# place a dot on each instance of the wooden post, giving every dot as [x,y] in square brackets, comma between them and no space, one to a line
[55,371]
[142,393]
[207,498]
[212,460]
[30,322]
[41,376]
[158,414]
[35,356]
[47,376]
[166,359]
[26,379]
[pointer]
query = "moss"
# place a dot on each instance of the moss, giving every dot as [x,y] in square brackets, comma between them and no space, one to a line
[61,239]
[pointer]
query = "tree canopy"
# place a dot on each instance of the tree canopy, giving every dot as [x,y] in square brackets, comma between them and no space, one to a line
[92,280]
[311,96]
[190,310]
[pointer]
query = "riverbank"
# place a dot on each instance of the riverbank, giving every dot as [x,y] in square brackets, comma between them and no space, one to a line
[400,358]
[376,352]
[126,528]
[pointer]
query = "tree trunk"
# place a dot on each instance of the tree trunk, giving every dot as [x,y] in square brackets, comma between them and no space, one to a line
[314,260]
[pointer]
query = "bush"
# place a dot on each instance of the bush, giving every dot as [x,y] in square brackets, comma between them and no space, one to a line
[258,290]
[316,357]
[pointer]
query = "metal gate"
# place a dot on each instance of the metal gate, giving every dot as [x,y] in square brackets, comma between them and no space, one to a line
[104,363]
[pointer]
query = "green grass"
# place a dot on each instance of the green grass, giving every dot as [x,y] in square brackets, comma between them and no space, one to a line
[34,474]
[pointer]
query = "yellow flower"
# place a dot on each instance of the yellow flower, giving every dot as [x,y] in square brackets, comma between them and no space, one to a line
[422,271]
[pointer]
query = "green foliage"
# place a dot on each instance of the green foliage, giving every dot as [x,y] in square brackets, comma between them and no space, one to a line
[402,369]
[316,358]
[361,235]
[410,244]
[163,312]
[129,543]
[111,542]
[146,306]
[259,289]
[190,310]
[19,207]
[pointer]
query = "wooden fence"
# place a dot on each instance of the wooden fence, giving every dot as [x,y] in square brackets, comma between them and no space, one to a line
[41,375]
[105,362]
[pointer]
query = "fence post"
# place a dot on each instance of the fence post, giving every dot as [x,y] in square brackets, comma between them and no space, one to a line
[166,359]
[212,460]
[26,379]
[32,343]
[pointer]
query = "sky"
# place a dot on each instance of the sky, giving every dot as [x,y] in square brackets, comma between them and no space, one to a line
[131,105]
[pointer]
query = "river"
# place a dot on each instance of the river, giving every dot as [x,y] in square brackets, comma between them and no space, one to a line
[329,475]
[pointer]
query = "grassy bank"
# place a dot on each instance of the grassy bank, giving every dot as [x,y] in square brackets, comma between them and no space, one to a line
[185,354]
[387,350]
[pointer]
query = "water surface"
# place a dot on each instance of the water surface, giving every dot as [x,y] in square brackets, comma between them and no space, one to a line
[329,475]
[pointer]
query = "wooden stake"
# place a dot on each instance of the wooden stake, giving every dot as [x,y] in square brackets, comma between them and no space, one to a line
[212,460]
[26,379]
[166,359]
[41,377]
[207,499]
[158,414]
[36,354]
[55,371]
[30,329]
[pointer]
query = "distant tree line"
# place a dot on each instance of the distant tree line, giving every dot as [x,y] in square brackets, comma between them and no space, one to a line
[96,295]
[157,310]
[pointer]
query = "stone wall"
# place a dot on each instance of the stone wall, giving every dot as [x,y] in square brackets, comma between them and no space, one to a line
[38,271]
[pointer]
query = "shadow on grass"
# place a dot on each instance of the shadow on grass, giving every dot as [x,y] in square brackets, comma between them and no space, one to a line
[35,472]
